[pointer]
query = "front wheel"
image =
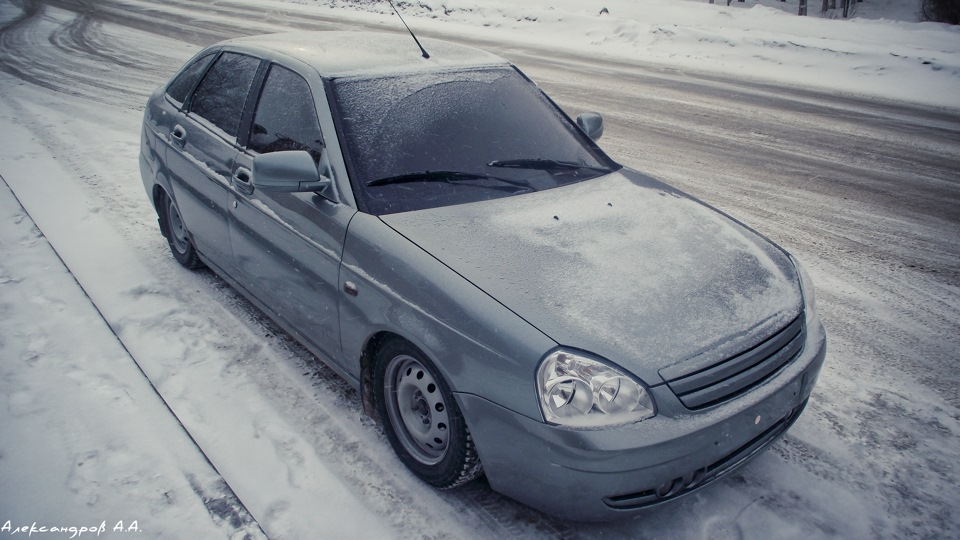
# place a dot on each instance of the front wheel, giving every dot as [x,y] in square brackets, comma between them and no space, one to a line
[176,232]
[421,418]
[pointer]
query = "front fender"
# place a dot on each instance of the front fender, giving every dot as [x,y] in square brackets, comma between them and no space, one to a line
[480,346]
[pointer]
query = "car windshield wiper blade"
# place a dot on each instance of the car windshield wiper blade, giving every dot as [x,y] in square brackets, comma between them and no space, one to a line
[549,165]
[446,176]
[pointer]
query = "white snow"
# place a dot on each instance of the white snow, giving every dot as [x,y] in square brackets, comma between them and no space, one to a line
[685,253]
[85,439]
[221,413]
[764,41]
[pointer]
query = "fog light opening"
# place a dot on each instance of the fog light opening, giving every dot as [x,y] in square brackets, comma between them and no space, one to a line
[666,488]
[695,478]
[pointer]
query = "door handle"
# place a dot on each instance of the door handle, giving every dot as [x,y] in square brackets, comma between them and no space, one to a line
[241,179]
[178,134]
[242,175]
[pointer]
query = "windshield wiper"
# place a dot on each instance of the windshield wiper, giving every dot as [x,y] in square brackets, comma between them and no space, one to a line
[448,177]
[549,165]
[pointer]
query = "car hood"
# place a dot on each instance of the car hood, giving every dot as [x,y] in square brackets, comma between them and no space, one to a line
[621,266]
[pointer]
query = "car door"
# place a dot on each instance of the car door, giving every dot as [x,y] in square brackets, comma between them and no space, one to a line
[287,246]
[202,152]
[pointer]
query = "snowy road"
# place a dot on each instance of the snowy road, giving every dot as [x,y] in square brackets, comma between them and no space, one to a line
[866,193]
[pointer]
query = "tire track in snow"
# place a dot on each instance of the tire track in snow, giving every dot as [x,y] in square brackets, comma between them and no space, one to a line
[870,205]
[66,52]
[845,241]
[180,352]
[378,476]
[214,323]
[201,475]
[330,416]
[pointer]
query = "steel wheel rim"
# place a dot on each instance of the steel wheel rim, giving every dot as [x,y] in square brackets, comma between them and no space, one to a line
[417,409]
[178,233]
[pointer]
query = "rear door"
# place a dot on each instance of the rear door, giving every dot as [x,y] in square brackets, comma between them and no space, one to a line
[202,152]
[287,246]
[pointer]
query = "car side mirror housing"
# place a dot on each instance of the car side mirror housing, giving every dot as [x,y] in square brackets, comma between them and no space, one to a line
[592,124]
[289,171]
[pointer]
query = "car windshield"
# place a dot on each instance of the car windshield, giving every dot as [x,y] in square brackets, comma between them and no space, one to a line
[426,140]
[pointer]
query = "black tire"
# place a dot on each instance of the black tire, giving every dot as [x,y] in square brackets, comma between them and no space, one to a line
[421,417]
[178,238]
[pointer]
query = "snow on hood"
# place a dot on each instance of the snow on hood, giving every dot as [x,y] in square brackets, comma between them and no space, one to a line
[622,266]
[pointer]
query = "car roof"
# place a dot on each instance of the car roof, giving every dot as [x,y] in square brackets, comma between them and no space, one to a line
[339,54]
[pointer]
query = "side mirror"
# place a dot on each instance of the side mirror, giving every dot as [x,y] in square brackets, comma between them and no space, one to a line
[288,171]
[592,124]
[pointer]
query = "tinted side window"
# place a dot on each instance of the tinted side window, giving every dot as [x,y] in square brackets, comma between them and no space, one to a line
[223,91]
[184,83]
[286,117]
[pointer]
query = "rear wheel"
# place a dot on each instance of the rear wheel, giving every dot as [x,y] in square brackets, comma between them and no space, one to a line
[176,232]
[422,419]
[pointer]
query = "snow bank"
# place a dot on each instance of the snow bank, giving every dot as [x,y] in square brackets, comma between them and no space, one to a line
[117,454]
[906,61]
[86,442]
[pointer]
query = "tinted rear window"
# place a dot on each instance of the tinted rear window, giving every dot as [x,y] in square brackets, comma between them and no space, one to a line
[180,88]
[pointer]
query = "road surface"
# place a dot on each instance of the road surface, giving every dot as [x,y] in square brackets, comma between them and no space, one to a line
[866,193]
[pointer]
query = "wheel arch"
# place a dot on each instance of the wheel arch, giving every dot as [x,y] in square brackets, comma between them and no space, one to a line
[160,187]
[368,358]
[159,193]
[458,461]
[476,344]
[157,196]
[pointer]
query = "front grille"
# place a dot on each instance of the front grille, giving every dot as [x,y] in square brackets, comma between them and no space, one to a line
[702,387]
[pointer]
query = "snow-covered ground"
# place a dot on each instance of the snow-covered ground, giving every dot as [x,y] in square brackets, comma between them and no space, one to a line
[87,445]
[73,380]
[881,51]
[87,438]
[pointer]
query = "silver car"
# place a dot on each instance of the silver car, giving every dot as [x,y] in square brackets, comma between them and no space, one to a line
[508,299]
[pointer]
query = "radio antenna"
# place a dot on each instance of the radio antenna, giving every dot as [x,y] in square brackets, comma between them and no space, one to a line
[424,51]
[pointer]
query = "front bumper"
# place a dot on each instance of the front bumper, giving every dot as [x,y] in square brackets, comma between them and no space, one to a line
[591,475]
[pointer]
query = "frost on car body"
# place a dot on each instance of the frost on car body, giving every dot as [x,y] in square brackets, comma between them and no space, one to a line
[507,297]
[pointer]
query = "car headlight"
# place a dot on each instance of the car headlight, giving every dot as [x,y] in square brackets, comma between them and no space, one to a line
[577,391]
